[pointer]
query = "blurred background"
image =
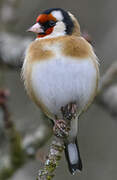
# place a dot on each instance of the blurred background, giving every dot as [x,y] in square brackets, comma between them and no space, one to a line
[97,128]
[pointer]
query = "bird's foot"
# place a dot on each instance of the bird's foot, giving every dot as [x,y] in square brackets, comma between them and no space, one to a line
[62,126]
[61,129]
[69,111]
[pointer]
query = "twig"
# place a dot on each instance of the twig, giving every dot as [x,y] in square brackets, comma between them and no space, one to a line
[61,133]
[107,91]
[54,156]
[108,77]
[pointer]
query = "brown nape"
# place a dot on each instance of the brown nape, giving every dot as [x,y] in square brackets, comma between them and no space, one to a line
[76,29]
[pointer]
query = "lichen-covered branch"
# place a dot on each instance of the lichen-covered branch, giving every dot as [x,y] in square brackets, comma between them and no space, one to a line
[52,160]
[61,132]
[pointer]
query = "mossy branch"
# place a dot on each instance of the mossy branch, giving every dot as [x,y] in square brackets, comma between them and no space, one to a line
[61,133]
[52,160]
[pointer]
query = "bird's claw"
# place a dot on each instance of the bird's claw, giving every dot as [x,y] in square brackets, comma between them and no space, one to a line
[61,128]
[69,111]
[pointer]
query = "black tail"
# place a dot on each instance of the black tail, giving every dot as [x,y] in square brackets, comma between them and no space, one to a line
[73,156]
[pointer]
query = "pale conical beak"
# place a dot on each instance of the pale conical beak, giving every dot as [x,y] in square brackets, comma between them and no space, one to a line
[36,28]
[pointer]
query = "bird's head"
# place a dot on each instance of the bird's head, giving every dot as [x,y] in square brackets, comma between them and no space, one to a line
[55,22]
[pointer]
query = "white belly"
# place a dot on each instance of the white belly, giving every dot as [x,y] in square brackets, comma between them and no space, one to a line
[58,82]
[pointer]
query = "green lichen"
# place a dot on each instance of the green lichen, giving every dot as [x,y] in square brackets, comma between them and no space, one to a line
[49,177]
[52,161]
[51,167]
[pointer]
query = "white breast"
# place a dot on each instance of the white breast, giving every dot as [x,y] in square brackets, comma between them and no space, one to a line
[60,81]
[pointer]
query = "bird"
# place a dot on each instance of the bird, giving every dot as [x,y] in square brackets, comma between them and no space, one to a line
[61,68]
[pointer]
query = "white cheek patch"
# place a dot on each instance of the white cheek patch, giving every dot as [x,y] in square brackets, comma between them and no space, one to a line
[58,15]
[60,27]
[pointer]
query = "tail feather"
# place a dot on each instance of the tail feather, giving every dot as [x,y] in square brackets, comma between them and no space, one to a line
[73,156]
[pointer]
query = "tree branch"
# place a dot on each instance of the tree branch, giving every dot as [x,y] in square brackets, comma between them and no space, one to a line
[109,77]
[107,92]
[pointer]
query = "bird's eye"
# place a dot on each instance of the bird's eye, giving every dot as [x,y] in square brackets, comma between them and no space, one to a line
[52,23]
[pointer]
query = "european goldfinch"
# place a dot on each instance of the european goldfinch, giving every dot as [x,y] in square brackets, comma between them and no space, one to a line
[60,68]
